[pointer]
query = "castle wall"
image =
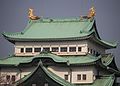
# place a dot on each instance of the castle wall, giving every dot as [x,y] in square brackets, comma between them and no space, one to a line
[18,73]
[87,46]
[73,73]
[95,47]
[10,71]
[82,44]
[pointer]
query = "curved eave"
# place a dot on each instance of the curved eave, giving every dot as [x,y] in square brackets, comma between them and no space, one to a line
[91,35]
[14,39]
[88,60]
[105,44]
[109,68]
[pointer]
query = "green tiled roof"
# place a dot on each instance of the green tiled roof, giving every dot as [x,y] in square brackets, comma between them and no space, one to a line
[15,60]
[55,29]
[58,29]
[107,59]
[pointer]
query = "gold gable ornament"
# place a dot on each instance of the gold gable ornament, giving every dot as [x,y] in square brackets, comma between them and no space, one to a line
[91,12]
[31,15]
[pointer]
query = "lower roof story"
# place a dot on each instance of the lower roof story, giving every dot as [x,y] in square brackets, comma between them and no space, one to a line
[78,70]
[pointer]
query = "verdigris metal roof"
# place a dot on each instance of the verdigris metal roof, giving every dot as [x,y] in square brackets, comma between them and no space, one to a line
[15,60]
[55,29]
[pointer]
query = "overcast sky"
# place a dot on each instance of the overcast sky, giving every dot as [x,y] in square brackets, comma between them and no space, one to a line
[14,18]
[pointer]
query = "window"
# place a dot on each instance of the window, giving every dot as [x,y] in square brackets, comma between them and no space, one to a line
[91,51]
[79,77]
[22,50]
[55,49]
[8,77]
[88,50]
[37,49]
[97,54]
[28,50]
[84,76]
[66,77]
[94,52]
[47,49]
[63,49]
[79,49]
[13,78]
[72,49]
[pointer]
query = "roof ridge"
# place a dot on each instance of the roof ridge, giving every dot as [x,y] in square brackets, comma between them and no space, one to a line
[49,20]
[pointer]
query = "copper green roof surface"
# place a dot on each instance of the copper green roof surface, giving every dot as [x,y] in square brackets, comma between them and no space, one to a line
[55,29]
[87,59]
[107,59]
[58,29]
[13,60]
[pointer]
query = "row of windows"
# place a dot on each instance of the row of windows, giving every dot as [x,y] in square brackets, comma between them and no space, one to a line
[10,78]
[53,49]
[93,52]
[79,77]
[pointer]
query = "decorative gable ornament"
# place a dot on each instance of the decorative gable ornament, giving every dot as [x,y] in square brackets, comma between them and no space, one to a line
[91,12]
[31,15]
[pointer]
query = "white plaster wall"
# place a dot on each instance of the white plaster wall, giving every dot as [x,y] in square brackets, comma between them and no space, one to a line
[85,44]
[11,71]
[82,44]
[96,47]
[16,72]
[88,70]
[83,70]
[26,71]
[60,71]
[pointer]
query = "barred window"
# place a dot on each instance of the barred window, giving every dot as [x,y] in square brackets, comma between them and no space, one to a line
[28,50]
[72,49]
[84,76]
[47,49]
[37,49]
[79,49]
[94,52]
[63,49]
[55,49]
[13,78]
[97,54]
[8,77]
[91,51]
[22,50]
[79,77]
[66,77]
[88,50]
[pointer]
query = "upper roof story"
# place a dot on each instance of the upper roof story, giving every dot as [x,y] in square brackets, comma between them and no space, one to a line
[47,29]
